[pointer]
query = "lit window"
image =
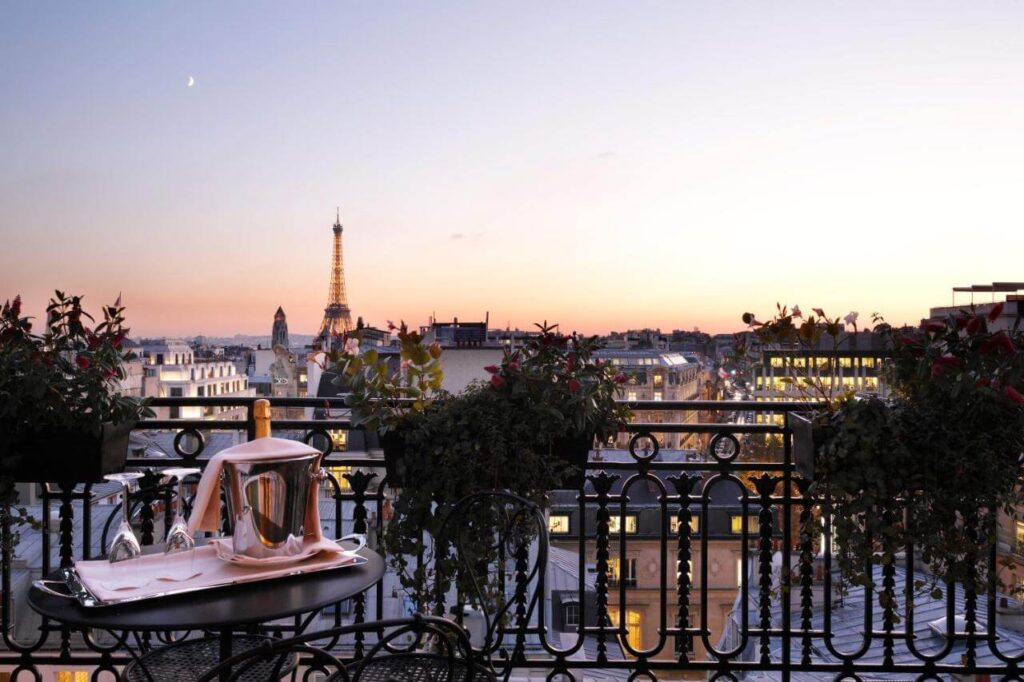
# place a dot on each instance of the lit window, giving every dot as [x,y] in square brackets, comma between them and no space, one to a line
[72,676]
[558,524]
[739,571]
[1020,536]
[632,625]
[658,379]
[339,439]
[694,524]
[614,525]
[736,524]
[657,395]
[631,396]
[338,472]
[624,572]
[571,615]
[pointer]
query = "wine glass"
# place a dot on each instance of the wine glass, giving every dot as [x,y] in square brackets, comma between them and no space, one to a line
[124,545]
[178,537]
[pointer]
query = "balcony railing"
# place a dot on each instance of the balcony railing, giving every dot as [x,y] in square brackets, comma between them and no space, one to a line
[709,599]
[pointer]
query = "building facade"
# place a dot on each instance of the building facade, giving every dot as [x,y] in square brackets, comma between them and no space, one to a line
[171,370]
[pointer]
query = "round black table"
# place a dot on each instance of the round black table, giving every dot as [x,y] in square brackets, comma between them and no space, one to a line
[222,609]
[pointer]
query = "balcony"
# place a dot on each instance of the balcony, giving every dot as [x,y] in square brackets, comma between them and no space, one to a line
[721,599]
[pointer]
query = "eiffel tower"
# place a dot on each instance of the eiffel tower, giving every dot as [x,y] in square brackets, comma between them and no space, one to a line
[337,316]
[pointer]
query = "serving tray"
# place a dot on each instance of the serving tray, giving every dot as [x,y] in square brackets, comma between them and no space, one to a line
[218,574]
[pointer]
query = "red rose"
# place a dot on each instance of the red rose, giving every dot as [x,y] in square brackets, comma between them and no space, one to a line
[491,369]
[109,374]
[94,341]
[982,382]
[621,378]
[935,327]
[961,321]
[974,326]
[937,370]
[1014,395]
[995,312]
[497,381]
[574,386]
[117,340]
[514,366]
[570,364]
[83,362]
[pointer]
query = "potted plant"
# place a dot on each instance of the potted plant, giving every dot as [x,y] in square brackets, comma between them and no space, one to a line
[508,433]
[555,382]
[930,466]
[62,417]
[818,335]
[385,390]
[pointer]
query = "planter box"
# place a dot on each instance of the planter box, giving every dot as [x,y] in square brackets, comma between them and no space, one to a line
[806,439]
[393,444]
[70,456]
[574,451]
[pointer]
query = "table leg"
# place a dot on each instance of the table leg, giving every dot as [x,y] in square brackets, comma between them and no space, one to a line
[225,653]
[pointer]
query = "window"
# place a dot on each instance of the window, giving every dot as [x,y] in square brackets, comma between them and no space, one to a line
[631,396]
[1020,537]
[736,524]
[739,571]
[621,571]
[614,523]
[71,676]
[571,615]
[338,473]
[658,379]
[657,395]
[558,524]
[694,524]
[632,623]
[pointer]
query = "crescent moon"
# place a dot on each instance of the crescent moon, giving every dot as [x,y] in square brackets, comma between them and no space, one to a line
[191,81]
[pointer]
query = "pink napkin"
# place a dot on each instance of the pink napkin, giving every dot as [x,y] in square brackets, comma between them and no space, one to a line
[206,508]
[154,574]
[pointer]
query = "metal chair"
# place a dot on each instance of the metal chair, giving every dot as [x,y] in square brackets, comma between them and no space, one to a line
[184,661]
[500,579]
[416,649]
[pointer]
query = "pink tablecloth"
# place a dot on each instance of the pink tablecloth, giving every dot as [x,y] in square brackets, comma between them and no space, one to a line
[154,574]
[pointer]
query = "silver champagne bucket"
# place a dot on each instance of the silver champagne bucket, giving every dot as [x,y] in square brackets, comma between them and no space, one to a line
[267,501]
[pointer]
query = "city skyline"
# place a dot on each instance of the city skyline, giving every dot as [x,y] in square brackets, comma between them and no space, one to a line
[662,166]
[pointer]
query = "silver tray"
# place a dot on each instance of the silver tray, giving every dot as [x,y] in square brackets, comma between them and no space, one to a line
[77,590]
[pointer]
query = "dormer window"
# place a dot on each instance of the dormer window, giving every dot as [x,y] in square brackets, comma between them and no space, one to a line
[571,614]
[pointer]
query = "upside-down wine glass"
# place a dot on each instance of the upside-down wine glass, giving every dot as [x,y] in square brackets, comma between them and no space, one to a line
[178,537]
[125,545]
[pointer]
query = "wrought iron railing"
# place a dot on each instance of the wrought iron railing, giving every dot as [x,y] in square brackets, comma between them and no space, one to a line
[786,613]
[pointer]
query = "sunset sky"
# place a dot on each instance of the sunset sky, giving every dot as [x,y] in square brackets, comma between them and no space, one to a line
[603,165]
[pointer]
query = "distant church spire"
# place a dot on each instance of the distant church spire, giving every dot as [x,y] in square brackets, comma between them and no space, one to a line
[337,316]
[279,335]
